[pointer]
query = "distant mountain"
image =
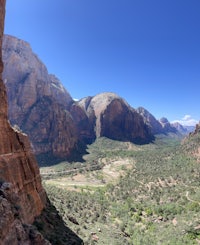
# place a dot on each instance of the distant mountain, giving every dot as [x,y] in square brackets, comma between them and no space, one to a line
[189,128]
[183,129]
[167,127]
[112,117]
[161,126]
[154,125]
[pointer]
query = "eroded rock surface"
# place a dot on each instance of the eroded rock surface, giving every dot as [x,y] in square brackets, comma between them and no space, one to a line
[112,117]
[38,102]
[162,126]
[22,196]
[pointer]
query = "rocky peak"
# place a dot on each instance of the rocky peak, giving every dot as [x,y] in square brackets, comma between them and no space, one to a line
[180,128]
[196,131]
[27,79]
[150,120]
[112,117]
[167,127]
[164,121]
[38,102]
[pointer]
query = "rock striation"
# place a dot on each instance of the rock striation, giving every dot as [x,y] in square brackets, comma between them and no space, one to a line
[22,196]
[161,126]
[154,125]
[45,111]
[110,116]
[38,103]
[167,126]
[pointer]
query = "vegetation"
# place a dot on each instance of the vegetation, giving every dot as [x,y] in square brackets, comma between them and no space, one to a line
[137,195]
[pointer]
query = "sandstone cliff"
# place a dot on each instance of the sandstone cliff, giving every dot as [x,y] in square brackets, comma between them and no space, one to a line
[55,124]
[150,120]
[167,127]
[38,103]
[22,197]
[21,192]
[83,124]
[112,117]
[161,126]
[184,130]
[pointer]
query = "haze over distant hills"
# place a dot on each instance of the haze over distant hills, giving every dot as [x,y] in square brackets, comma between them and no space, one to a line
[55,123]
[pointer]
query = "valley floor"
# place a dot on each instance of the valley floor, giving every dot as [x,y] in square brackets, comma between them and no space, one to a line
[129,194]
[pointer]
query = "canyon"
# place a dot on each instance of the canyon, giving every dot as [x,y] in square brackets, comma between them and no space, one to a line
[58,127]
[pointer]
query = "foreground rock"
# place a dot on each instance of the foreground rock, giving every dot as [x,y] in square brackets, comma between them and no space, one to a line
[21,192]
[197,130]
[22,197]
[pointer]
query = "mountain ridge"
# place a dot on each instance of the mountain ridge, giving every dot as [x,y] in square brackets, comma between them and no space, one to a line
[56,124]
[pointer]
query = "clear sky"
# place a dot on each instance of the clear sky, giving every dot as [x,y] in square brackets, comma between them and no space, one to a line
[146,51]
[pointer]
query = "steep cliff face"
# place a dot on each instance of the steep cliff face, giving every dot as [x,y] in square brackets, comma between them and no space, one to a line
[112,117]
[167,127]
[22,197]
[84,127]
[161,126]
[191,143]
[197,129]
[38,103]
[182,129]
[150,120]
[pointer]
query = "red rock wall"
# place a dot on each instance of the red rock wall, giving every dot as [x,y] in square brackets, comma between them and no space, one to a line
[19,174]
[39,104]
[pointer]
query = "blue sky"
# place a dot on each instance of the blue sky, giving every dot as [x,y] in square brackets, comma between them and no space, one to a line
[147,51]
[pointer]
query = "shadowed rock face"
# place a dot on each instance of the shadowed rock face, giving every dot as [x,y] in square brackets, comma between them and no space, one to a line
[196,130]
[84,127]
[21,192]
[38,103]
[112,117]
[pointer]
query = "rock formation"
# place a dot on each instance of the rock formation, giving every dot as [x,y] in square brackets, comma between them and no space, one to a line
[84,127]
[167,127]
[112,117]
[196,131]
[55,124]
[38,103]
[150,120]
[161,126]
[22,197]
[182,129]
